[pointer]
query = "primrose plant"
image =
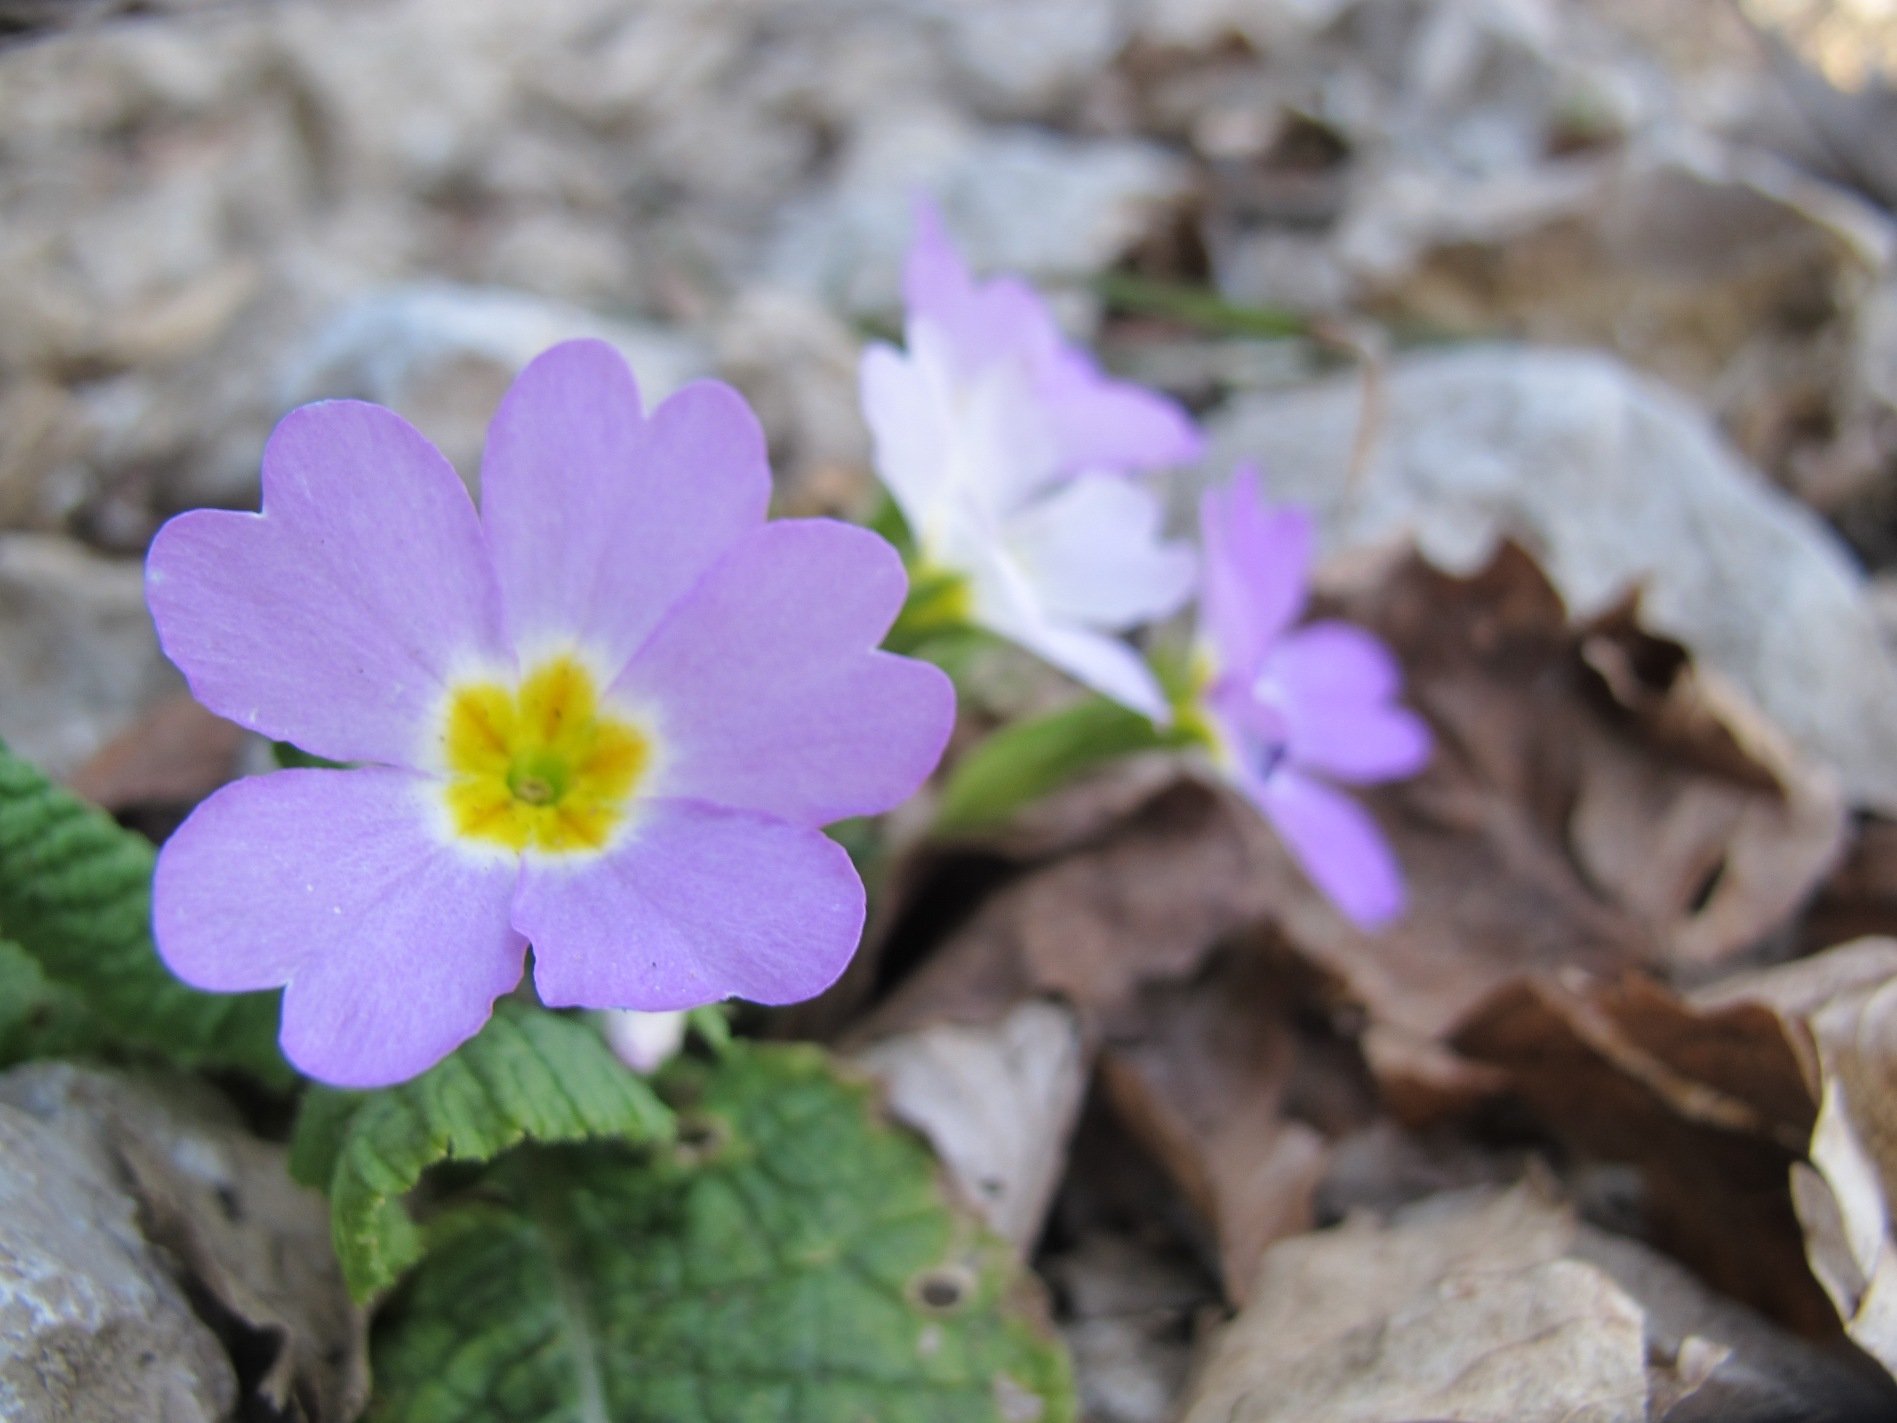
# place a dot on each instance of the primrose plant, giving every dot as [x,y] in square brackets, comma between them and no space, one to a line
[604,718]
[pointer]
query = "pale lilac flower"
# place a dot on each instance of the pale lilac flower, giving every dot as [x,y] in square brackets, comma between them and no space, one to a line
[1290,709]
[1009,454]
[606,716]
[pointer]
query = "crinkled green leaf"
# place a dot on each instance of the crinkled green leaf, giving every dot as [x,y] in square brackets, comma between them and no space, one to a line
[38,1018]
[528,1075]
[1021,763]
[322,1126]
[792,1259]
[75,894]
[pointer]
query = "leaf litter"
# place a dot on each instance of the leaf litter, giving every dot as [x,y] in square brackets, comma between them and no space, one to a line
[1602,1128]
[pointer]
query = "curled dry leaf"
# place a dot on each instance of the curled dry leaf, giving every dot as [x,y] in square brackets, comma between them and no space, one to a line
[1711,1103]
[1143,900]
[1617,805]
[1846,1197]
[1859,899]
[253,1246]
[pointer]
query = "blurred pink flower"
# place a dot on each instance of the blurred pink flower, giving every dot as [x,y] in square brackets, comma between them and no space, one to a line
[1291,709]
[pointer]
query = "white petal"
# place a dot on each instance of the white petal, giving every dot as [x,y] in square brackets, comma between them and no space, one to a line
[1007,604]
[1093,554]
[909,428]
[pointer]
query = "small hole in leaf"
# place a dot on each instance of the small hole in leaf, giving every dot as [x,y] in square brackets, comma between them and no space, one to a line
[701,1137]
[942,1289]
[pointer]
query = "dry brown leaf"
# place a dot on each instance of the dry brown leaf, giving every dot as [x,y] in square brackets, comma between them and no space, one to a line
[1498,1306]
[1860,897]
[998,1103]
[1466,1309]
[1711,1104]
[1233,1083]
[1595,803]
[1847,1196]
[174,755]
[253,1245]
[1143,901]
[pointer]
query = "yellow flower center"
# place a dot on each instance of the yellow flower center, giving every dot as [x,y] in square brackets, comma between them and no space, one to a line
[543,766]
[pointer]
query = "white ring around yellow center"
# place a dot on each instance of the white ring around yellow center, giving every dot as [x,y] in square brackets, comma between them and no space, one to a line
[543,766]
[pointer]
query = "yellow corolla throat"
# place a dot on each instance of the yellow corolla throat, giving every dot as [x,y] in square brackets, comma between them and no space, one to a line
[542,766]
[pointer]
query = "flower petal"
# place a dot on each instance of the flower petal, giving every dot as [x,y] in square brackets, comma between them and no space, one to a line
[1332,661]
[1102,423]
[393,945]
[983,323]
[1337,843]
[699,903]
[1359,743]
[1256,565]
[767,690]
[1329,684]
[600,518]
[335,618]
[1093,552]
[1007,603]
[909,427]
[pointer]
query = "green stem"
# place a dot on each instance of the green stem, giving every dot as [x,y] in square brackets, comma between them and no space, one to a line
[938,603]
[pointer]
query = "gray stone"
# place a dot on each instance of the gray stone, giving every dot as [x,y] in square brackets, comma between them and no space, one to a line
[93,1329]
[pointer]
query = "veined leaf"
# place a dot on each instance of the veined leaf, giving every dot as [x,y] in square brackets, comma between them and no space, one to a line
[528,1075]
[792,1259]
[1023,762]
[75,894]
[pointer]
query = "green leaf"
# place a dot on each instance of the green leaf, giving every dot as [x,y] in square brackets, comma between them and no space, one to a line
[793,1259]
[1021,763]
[75,893]
[940,601]
[528,1075]
[38,1018]
[322,1126]
[1198,306]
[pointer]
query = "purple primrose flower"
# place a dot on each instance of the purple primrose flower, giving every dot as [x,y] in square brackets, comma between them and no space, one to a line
[606,716]
[1008,452]
[1291,709]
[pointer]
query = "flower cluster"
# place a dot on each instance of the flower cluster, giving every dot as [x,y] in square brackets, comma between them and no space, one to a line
[1011,457]
[607,714]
